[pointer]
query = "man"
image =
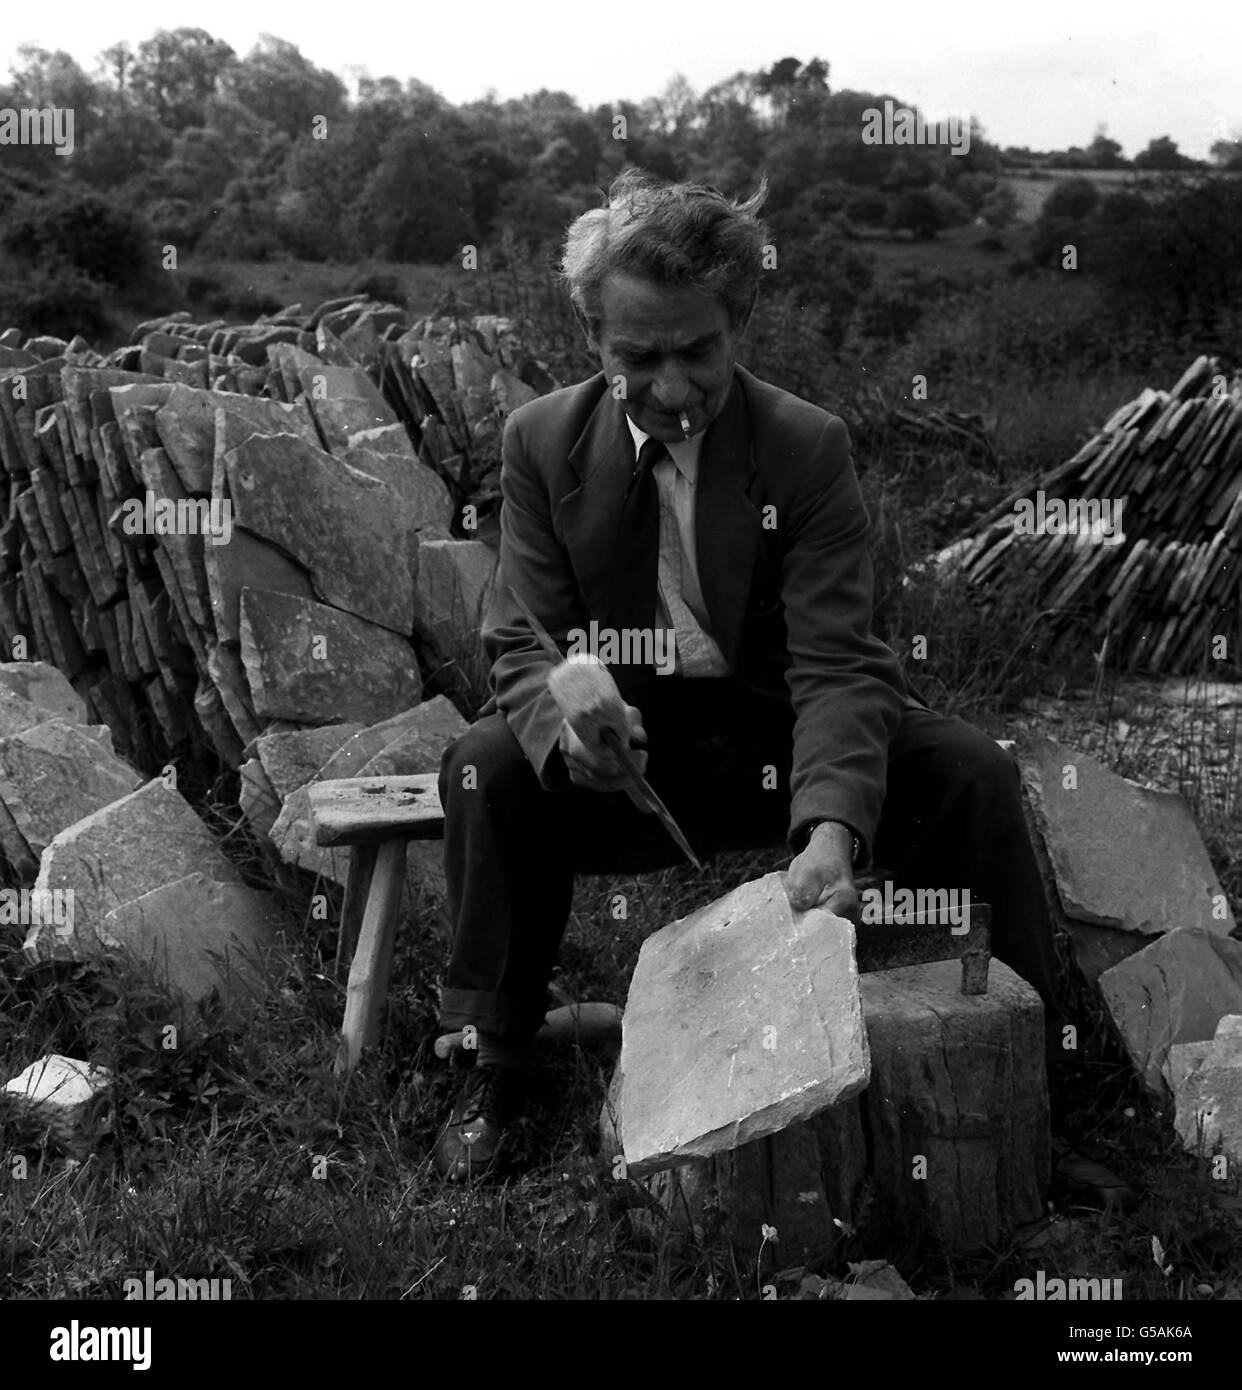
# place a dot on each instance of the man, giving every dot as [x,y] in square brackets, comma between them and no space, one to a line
[676,493]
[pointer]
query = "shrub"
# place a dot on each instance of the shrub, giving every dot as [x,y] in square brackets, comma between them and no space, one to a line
[81,228]
[383,285]
[56,299]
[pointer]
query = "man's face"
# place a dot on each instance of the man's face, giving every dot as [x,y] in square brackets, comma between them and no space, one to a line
[673,347]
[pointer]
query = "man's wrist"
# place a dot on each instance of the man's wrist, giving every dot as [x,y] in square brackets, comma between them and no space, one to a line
[855,842]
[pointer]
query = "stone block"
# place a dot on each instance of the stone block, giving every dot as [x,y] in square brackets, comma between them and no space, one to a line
[61,1094]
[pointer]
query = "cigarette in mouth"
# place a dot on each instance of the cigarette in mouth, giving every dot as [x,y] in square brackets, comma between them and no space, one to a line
[685,424]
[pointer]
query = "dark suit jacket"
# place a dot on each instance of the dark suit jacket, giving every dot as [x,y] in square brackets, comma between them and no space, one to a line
[789,601]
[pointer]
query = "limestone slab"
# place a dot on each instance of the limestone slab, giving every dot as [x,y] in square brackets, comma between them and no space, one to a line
[1176,990]
[742,1019]
[246,561]
[313,664]
[199,935]
[55,774]
[1124,856]
[125,849]
[455,580]
[1206,1079]
[352,534]
[45,687]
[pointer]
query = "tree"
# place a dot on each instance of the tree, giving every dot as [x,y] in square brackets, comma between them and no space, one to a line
[174,73]
[1103,152]
[1227,153]
[1162,154]
[277,83]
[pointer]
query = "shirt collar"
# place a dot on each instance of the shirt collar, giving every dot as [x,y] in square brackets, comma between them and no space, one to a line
[683,452]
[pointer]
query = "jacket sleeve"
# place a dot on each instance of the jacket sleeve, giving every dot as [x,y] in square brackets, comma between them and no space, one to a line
[846,687]
[532,561]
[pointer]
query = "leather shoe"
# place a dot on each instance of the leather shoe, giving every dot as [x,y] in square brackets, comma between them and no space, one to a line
[1085,1177]
[474,1138]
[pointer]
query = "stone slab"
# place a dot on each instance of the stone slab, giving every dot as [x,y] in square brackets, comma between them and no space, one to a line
[352,534]
[199,935]
[55,774]
[1176,990]
[743,1018]
[1124,856]
[135,844]
[44,687]
[313,664]
[1206,1079]
[247,562]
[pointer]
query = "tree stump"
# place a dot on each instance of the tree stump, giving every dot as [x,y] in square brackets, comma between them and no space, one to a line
[950,1139]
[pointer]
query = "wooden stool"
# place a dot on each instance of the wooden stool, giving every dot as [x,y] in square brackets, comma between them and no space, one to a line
[377,816]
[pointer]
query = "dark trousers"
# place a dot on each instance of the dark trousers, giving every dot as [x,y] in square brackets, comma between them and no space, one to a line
[720,760]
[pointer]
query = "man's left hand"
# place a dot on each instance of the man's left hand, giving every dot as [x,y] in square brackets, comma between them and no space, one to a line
[822,875]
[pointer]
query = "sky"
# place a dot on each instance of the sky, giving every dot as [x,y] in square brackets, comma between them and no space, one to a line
[1046,77]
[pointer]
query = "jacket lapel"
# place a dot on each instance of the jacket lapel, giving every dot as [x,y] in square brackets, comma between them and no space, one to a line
[728,527]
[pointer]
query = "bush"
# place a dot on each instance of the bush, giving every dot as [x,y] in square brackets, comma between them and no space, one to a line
[80,228]
[383,285]
[55,299]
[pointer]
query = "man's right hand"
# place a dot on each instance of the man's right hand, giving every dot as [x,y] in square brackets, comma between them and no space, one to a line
[595,766]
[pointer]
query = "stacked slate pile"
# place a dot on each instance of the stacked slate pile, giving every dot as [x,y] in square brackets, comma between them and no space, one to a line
[1162,592]
[221,531]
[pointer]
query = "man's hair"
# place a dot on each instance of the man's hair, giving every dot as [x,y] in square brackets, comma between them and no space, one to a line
[684,235]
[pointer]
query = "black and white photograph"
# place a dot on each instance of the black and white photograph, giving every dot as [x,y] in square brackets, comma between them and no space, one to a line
[620,675]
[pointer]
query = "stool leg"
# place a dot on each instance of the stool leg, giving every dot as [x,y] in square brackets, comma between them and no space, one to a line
[357,890]
[368,976]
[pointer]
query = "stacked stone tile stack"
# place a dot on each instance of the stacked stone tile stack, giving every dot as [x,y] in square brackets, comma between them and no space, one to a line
[224,530]
[1166,597]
